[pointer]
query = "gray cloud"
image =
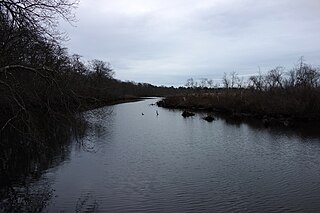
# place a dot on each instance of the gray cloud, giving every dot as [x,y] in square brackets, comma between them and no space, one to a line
[168,41]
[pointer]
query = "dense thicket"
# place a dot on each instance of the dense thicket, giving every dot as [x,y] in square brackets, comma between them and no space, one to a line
[32,63]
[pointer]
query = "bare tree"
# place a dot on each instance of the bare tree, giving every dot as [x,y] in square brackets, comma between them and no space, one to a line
[241,82]
[190,83]
[29,34]
[39,15]
[101,69]
[274,77]
[77,65]
[196,84]
[234,79]
[306,75]
[291,80]
[210,83]
[257,81]
[226,81]
[204,82]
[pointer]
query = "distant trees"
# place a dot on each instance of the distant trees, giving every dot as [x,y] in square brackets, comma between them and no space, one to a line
[235,80]
[77,65]
[303,75]
[232,80]
[307,76]
[228,81]
[256,82]
[225,81]
[203,83]
[101,69]
[274,78]
[190,83]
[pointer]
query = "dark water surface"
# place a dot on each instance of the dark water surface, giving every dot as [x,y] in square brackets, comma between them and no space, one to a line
[129,162]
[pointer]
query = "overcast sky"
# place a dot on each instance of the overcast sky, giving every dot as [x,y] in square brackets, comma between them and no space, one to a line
[165,42]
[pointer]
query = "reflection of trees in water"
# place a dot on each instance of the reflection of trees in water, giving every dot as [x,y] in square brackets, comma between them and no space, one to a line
[24,158]
[26,198]
[98,122]
[302,130]
[86,203]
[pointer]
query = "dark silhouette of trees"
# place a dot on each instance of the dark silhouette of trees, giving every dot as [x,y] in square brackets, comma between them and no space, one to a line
[235,80]
[307,76]
[225,81]
[77,65]
[40,16]
[101,69]
[274,78]
[190,83]
[257,82]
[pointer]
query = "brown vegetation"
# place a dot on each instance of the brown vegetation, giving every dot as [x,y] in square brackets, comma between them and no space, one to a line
[289,97]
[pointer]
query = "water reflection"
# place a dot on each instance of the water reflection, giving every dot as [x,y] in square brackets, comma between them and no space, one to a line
[124,161]
[24,159]
[86,203]
[302,130]
[98,123]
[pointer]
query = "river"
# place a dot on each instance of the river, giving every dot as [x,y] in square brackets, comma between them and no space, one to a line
[133,162]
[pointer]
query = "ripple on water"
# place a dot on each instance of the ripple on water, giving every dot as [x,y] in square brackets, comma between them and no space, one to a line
[167,163]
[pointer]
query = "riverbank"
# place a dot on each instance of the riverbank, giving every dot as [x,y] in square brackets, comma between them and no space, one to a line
[272,108]
[120,100]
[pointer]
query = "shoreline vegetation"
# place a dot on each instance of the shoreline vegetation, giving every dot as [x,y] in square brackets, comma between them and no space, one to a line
[277,98]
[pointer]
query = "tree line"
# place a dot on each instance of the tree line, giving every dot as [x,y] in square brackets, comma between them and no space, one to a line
[302,75]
